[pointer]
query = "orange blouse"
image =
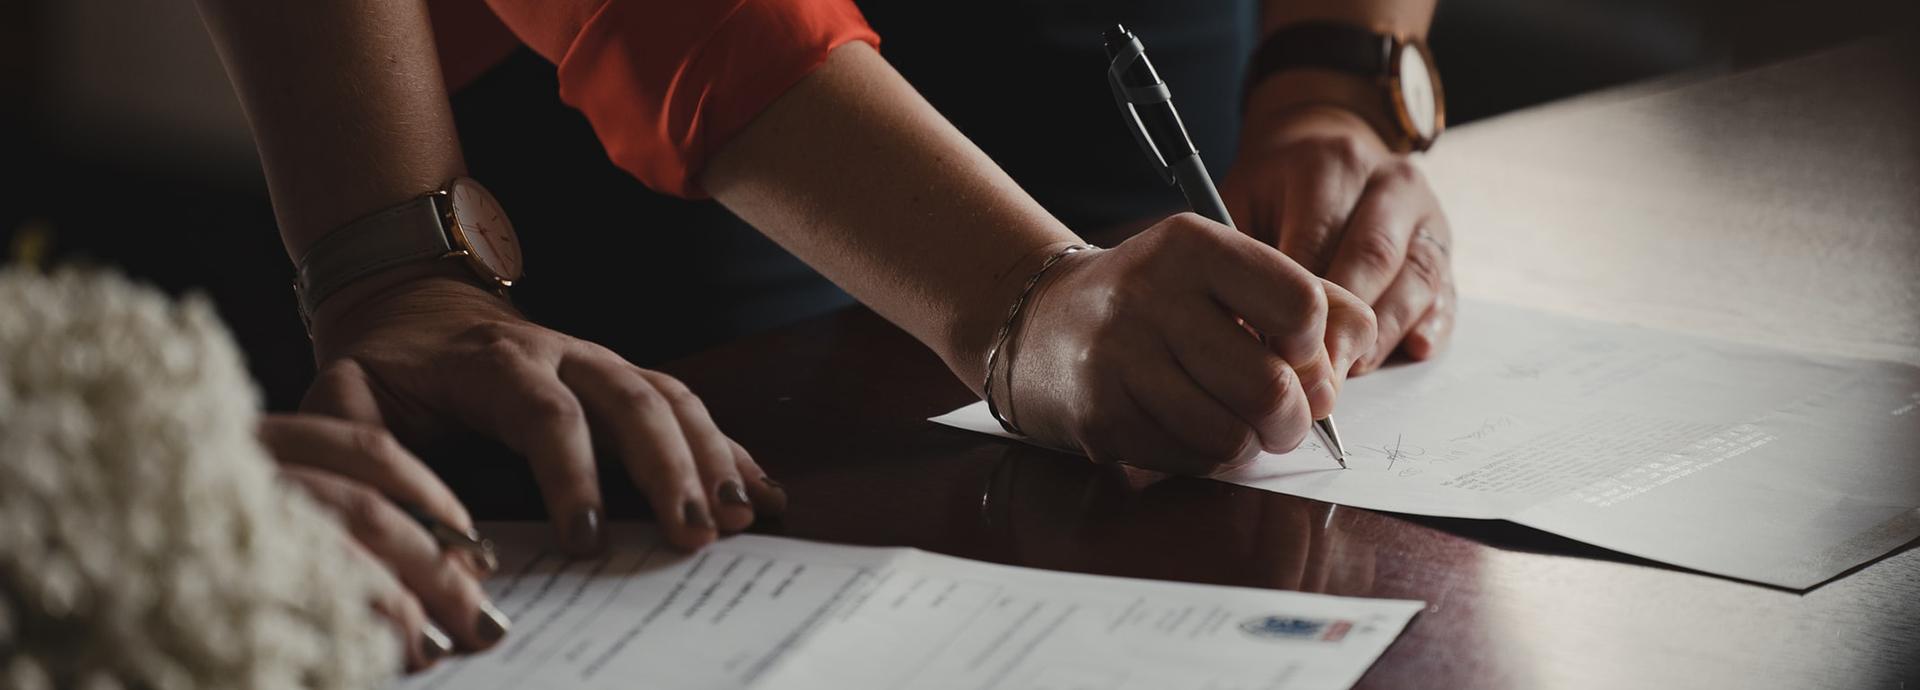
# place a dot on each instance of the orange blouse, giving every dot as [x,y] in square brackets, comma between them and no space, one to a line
[665,83]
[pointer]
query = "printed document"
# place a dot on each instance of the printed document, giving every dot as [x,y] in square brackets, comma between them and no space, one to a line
[1753,463]
[767,612]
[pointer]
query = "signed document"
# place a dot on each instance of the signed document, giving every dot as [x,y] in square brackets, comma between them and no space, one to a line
[767,612]
[1752,463]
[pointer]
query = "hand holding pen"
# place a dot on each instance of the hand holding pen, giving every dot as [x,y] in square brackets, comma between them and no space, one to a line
[1136,354]
[1141,354]
[1156,126]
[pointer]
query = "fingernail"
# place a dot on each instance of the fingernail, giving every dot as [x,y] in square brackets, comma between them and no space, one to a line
[777,486]
[1322,396]
[696,515]
[585,536]
[435,642]
[492,624]
[732,492]
[484,560]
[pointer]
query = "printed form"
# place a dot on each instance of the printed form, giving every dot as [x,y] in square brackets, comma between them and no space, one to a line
[766,612]
[1757,464]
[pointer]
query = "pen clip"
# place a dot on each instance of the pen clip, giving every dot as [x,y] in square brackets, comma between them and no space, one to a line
[1128,97]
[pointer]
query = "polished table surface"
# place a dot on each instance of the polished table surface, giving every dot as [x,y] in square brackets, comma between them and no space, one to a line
[1777,205]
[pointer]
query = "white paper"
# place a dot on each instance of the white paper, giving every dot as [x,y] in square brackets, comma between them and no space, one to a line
[1753,463]
[766,612]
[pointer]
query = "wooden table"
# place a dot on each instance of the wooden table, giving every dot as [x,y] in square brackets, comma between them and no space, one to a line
[1780,205]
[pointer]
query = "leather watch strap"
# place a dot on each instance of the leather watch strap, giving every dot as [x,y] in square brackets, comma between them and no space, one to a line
[412,231]
[1337,47]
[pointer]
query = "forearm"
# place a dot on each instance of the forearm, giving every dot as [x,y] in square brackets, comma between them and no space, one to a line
[346,102]
[856,174]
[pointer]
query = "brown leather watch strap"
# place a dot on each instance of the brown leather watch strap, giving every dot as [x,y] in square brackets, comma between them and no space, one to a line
[412,231]
[1321,45]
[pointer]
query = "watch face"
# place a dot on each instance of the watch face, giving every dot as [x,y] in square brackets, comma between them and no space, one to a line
[1419,94]
[482,228]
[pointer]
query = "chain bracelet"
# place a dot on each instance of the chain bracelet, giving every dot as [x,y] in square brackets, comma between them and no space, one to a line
[1006,331]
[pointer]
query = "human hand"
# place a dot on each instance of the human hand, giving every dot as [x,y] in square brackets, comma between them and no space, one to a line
[1138,354]
[1319,184]
[432,353]
[361,474]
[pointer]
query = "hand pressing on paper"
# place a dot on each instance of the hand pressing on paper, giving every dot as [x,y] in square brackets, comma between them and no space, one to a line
[1319,184]
[1137,354]
[432,597]
[435,353]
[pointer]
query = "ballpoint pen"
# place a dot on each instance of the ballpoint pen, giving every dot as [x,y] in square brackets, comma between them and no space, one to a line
[1148,106]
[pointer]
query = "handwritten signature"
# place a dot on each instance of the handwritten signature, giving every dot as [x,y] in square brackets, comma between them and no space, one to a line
[1399,451]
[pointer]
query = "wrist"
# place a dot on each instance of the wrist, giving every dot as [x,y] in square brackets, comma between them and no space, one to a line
[977,326]
[357,306]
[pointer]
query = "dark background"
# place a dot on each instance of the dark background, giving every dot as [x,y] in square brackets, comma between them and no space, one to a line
[124,146]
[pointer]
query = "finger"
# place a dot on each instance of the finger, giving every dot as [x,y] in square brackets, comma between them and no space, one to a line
[725,489]
[539,417]
[1318,197]
[447,590]
[342,390]
[1352,332]
[1374,244]
[421,642]
[769,496]
[645,432]
[1409,297]
[1317,380]
[1212,436]
[1242,374]
[366,454]
[1255,282]
[1427,338]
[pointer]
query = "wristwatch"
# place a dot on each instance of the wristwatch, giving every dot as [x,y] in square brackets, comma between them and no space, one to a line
[1401,67]
[459,220]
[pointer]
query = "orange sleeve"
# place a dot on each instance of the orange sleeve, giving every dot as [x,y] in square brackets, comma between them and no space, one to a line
[666,83]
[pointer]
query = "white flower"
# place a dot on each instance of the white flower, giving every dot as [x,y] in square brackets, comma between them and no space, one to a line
[145,541]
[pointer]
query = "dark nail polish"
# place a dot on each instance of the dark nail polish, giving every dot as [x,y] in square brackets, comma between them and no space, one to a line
[492,624]
[777,486]
[434,642]
[585,536]
[732,492]
[696,515]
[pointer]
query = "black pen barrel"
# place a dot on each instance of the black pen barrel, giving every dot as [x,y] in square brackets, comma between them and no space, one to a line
[1160,119]
[1202,197]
